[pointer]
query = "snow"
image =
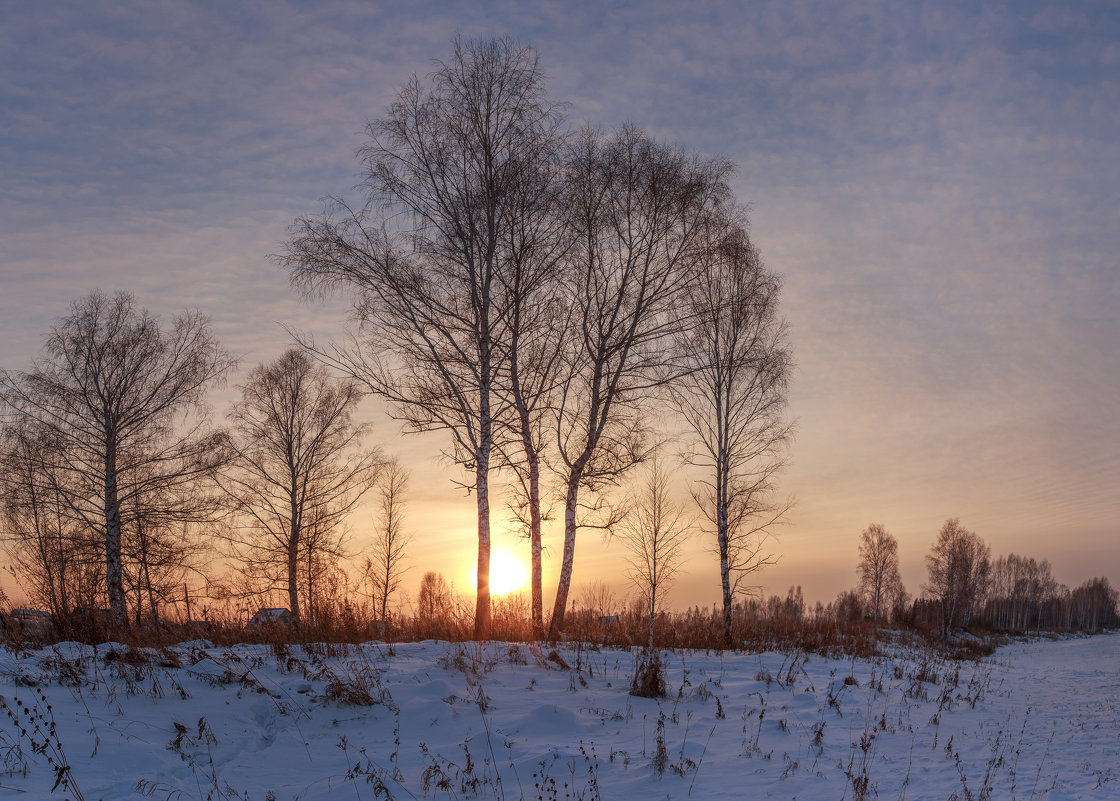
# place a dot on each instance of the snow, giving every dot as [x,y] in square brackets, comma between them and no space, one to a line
[442,720]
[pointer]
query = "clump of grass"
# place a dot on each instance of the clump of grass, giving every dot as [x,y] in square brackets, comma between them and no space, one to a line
[649,676]
[130,656]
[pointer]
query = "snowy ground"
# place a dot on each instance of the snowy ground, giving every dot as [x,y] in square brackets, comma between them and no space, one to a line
[439,720]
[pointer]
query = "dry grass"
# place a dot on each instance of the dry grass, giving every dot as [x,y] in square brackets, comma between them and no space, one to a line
[756,628]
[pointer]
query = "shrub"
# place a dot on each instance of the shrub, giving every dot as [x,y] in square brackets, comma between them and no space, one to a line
[649,676]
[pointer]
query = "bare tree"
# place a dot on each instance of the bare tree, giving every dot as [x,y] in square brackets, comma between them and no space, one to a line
[167,541]
[1019,589]
[434,599]
[655,533]
[122,398]
[56,559]
[532,337]
[597,597]
[1094,605]
[533,344]
[164,553]
[299,467]
[879,579]
[637,210]
[958,564]
[429,253]
[732,394]
[385,567]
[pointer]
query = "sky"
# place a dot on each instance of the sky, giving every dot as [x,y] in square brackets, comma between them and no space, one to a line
[937,183]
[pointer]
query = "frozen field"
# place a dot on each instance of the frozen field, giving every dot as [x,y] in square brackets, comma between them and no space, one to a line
[439,720]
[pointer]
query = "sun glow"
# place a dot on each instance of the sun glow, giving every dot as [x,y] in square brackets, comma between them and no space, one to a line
[508,572]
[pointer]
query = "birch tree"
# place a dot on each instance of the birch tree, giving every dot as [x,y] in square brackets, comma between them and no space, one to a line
[731,393]
[385,566]
[654,533]
[1094,605]
[122,398]
[1020,588]
[427,254]
[879,580]
[434,599]
[637,209]
[532,338]
[299,467]
[959,564]
[533,344]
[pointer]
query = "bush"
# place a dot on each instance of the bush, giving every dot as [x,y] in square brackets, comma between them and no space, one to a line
[649,676]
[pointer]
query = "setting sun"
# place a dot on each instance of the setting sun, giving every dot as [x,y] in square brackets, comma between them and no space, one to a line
[508,572]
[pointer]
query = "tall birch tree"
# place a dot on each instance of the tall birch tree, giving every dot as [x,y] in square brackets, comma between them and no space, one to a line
[735,366]
[637,210]
[959,564]
[299,466]
[427,253]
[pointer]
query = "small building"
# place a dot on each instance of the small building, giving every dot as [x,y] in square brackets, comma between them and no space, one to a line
[273,616]
[29,622]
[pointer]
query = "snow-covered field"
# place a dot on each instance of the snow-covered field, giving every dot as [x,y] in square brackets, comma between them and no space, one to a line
[440,720]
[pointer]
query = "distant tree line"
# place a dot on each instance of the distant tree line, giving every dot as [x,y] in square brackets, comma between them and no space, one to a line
[965,588]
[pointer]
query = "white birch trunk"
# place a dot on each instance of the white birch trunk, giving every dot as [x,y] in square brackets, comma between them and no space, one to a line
[565,583]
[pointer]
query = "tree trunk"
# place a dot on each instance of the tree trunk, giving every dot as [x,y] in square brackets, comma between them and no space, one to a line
[482,490]
[114,569]
[145,561]
[532,488]
[535,541]
[295,534]
[385,594]
[293,577]
[309,604]
[565,583]
[725,580]
[723,536]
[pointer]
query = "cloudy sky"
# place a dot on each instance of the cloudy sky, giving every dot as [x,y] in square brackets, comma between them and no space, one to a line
[938,184]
